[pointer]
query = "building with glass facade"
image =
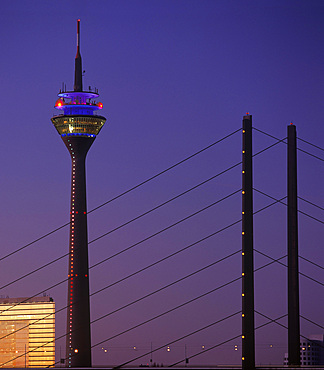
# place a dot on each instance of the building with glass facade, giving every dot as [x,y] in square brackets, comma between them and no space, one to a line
[311,351]
[27,332]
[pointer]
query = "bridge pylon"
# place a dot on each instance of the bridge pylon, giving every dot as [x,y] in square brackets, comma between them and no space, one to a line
[248,339]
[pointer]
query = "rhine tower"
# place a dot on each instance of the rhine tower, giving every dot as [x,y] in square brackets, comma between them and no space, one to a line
[78,127]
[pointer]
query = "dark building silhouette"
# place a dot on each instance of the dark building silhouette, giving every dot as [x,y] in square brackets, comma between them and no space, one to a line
[78,127]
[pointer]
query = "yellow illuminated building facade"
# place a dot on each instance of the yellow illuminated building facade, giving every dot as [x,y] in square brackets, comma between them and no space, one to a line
[27,332]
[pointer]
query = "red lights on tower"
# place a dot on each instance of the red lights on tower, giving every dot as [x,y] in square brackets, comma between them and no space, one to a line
[59,103]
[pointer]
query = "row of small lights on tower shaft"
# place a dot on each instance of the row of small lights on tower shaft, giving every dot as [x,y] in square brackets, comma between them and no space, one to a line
[73,212]
[72,249]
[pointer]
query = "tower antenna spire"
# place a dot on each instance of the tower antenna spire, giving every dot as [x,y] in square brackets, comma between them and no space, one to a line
[78,63]
[78,36]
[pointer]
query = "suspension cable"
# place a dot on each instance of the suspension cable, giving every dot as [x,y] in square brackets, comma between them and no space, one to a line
[258,210]
[268,147]
[63,281]
[169,227]
[138,325]
[312,322]
[190,301]
[226,341]
[300,273]
[150,211]
[122,194]
[128,276]
[129,247]
[120,226]
[313,263]
[267,134]
[166,286]
[132,220]
[133,188]
[286,327]
[108,286]
[172,199]
[310,154]
[309,143]
[299,211]
[178,339]
[313,204]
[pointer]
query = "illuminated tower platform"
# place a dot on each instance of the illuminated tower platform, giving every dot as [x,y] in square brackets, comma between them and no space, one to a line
[78,127]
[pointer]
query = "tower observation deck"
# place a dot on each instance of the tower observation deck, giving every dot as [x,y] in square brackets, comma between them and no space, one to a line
[78,127]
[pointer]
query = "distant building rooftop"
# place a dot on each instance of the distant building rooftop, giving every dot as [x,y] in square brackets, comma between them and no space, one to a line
[25,300]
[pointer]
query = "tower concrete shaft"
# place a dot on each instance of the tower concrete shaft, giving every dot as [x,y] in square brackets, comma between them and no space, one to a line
[78,343]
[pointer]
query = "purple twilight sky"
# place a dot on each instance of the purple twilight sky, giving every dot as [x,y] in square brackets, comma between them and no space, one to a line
[174,77]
